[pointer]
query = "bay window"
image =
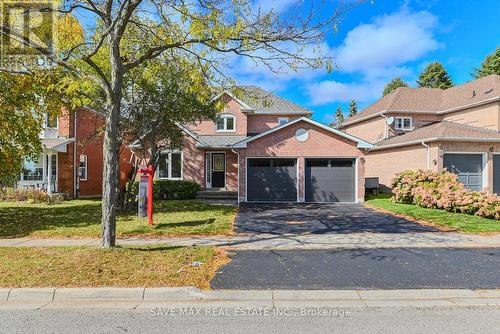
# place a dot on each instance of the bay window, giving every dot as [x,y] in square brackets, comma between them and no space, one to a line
[170,166]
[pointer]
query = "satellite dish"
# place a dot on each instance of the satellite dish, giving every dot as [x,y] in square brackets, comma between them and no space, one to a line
[389,120]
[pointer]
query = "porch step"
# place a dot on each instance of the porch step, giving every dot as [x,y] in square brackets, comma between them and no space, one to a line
[217,195]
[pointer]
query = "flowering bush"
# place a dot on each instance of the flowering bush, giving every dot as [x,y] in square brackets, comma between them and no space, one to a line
[24,195]
[442,190]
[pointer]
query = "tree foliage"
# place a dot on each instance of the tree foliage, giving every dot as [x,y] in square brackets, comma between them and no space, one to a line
[339,116]
[353,108]
[435,76]
[126,34]
[24,102]
[159,101]
[491,65]
[393,84]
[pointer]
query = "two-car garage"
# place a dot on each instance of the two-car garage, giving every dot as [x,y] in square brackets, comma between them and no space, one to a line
[302,161]
[326,180]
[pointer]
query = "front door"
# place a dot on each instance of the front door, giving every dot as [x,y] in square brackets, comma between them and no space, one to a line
[218,170]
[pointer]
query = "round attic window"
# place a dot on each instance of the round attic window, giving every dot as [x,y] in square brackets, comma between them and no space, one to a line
[301,134]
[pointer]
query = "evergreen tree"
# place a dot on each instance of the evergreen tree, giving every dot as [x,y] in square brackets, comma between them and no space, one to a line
[339,116]
[490,65]
[435,76]
[393,84]
[353,108]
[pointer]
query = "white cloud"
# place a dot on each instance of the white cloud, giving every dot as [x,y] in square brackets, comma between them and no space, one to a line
[329,91]
[277,6]
[388,41]
[249,71]
[378,52]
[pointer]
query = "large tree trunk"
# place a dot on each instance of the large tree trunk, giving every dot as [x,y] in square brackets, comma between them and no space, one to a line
[111,171]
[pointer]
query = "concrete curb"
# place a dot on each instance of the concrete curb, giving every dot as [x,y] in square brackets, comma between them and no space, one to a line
[150,298]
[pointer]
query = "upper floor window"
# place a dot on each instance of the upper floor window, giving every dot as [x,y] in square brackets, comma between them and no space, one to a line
[403,123]
[170,165]
[51,121]
[226,123]
[282,120]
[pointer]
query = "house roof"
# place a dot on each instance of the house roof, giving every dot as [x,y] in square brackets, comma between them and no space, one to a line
[259,101]
[440,131]
[361,143]
[433,100]
[219,141]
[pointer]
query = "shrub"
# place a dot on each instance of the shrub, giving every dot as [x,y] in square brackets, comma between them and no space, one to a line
[169,189]
[24,195]
[442,190]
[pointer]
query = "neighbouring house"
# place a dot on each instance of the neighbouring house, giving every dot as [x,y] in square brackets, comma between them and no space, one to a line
[71,161]
[264,148]
[423,128]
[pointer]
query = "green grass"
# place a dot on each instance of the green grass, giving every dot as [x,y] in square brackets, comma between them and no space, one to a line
[81,218]
[97,267]
[458,221]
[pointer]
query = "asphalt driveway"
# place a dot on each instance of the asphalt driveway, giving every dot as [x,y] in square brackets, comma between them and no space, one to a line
[396,268]
[320,219]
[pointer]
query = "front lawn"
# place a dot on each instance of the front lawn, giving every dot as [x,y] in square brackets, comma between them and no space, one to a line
[81,218]
[119,267]
[461,222]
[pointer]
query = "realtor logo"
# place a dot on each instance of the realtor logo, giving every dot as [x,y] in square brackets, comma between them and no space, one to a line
[27,30]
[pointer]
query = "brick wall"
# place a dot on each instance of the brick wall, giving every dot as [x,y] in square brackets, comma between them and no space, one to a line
[261,123]
[88,141]
[233,108]
[485,116]
[385,164]
[321,143]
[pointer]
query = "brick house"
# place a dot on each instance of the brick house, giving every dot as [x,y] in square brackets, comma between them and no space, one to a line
[265,148]
[262,148]
[422,128]
[72,151]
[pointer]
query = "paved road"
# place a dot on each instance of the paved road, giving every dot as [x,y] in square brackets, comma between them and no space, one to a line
[395,268]
[389,320]
[320,219]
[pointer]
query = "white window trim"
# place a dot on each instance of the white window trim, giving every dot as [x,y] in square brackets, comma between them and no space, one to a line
[169,172]
[47,122]
[42,166]
[286,119]
[402,123]
[86,160]
[224,117]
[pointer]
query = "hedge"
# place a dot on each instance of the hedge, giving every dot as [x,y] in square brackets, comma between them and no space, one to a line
[169,189]
[441,190]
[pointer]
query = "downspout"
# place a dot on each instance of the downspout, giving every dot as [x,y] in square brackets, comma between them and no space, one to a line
[75,145]
[428,154]
[238,154]
[386,129]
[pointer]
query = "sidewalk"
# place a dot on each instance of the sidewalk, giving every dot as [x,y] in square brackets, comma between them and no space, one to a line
[305,241]
[150,298]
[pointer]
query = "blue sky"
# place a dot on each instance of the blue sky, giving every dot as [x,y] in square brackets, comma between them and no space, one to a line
[380,40]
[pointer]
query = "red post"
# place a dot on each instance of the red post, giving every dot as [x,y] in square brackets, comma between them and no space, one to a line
[149,171]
